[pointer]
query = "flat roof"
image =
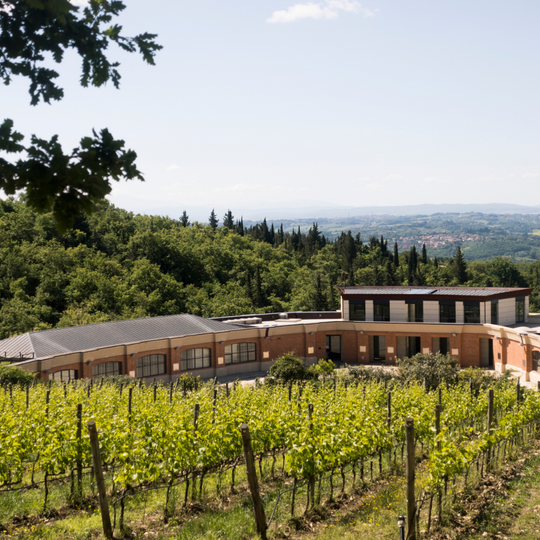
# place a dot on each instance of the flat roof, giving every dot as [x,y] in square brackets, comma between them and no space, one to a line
[433,293]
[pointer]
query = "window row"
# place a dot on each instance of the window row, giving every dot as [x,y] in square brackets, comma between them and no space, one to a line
[153,365]
[447,311]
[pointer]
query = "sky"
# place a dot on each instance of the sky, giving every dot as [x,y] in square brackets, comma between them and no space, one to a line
[276,103]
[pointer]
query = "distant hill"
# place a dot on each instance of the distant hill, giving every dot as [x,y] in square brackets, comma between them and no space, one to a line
[296,210]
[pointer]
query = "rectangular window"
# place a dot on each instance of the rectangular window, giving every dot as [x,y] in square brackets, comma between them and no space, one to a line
[415,311]
[413,346]
[447,312]
[520,309]
[65,375]
[107,369]
[381,310]
[536,360]
[151,365]
[494,312]
[472,312]
[357,310]
[240,352]
[195,359]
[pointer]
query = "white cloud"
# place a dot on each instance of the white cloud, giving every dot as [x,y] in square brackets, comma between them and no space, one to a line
[530,175]
[82,3]
[172,168]
[322,10]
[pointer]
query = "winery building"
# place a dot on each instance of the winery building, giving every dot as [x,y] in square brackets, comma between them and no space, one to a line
[485,327]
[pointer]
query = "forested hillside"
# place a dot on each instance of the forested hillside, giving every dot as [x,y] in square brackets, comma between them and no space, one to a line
[116,265]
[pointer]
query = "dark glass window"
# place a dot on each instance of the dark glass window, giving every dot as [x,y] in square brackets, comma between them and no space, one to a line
[447,312]
[536,360]
[472,312]
[520,310]
[357,310]
[65,375]
[107,369]
[151,365]
[415,311]
[240,352]
[494,312]
[195,359]
[381,310]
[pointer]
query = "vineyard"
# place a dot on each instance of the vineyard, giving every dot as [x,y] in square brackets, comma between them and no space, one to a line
[310,442]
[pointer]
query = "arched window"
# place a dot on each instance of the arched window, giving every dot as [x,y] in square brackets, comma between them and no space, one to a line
[151,365]
[65,375]
[195,359]
[107,369]
[240,352]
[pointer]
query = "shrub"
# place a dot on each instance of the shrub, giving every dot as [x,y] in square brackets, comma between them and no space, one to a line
[191,382]
[433,368]
[322,367]
[10,374]
[289,367]
[364,373]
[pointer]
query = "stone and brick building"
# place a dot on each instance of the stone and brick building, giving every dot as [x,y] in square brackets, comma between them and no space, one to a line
[485,327]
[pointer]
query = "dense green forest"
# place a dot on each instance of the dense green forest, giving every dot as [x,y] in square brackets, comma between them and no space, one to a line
[116,265]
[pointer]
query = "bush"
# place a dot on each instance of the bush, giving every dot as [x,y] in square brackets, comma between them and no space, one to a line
[364,373]
[322,367]
[10,374]
[191,382]
[289,367]
[435,369]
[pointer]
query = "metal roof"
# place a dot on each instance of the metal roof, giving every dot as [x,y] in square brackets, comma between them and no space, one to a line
[404,291]
[109,334]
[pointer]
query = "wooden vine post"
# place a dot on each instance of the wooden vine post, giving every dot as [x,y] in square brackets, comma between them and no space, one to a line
[489,423]
[196,409]
[100,481]
[258,508]
[79,451]
[411,464]
[312,477]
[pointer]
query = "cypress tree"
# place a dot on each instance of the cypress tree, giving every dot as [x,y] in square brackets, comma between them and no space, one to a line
[424,254]
[396,255]
[213,220]
[228,220]
[459,267]
[184,220]
[319,298]
[258,295]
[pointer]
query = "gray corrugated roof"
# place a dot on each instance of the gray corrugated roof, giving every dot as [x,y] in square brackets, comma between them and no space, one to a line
[108,334]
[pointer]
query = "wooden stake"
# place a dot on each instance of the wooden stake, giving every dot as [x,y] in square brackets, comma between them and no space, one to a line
[100,481]
[79,451]
[411,465]
[258,508]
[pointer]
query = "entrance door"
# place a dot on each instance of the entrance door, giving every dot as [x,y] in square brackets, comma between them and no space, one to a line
[486,352]
[333,348]
[379,348]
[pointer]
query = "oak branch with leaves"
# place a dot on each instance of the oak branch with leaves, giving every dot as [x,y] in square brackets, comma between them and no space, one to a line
[66,184]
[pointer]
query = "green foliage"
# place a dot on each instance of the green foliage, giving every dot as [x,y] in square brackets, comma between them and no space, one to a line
[32,33]
[363,373]
[289,367]
[433,368]
[322,367]
[190,382]
[14,375]
[115,265]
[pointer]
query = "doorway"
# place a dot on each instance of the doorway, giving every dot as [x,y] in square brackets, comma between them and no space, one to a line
[333,348]
[486,352]
[377,348]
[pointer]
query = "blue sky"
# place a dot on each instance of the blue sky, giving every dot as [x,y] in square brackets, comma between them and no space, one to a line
[274,103]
